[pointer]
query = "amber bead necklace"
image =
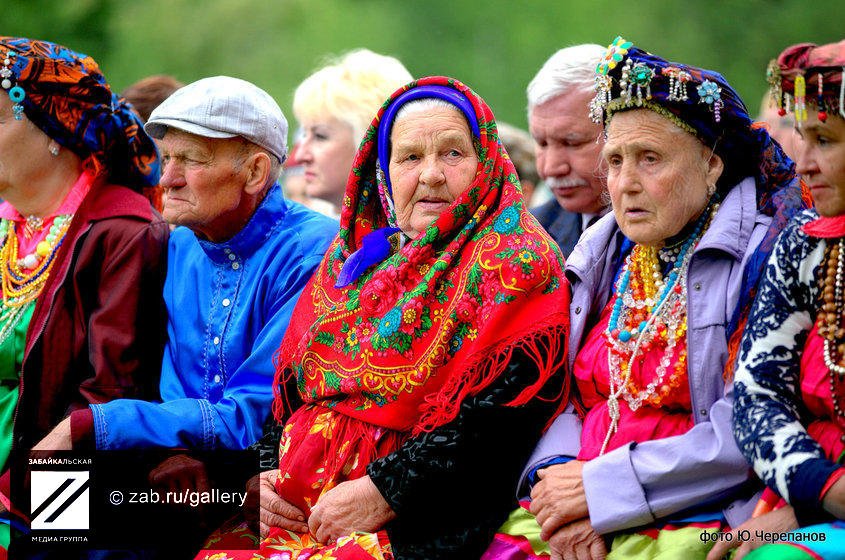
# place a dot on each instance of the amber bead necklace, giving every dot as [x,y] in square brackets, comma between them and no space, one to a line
[23,277]
[830,328]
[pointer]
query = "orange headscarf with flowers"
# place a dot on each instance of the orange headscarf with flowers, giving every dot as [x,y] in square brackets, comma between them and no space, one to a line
[406,342]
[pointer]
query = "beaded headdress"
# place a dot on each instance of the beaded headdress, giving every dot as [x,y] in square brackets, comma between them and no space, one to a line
[809,74]
[704,104]
[699,101]
[65,94]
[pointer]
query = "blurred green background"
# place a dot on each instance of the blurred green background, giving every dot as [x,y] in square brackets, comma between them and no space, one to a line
[495,46]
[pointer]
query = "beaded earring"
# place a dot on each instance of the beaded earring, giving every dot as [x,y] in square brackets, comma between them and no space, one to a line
[775,81]
[677,83]
[820,99]
[16,92]
[602,97]
[842,93]
[624,89]
[800,100]
[613,55]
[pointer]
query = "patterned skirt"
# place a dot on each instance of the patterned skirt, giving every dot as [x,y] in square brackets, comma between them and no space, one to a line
[319,449]
[287,545]
[519,539]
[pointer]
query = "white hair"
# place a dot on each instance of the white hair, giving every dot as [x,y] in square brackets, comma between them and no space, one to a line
[569,69]
[424,105]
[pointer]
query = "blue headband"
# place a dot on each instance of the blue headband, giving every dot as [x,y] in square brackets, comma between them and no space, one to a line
[385,125]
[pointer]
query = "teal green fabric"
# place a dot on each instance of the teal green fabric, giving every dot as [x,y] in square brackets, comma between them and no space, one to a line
[11,357]
[825,541]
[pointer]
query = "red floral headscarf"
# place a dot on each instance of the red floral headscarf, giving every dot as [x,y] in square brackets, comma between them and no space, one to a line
[406,342]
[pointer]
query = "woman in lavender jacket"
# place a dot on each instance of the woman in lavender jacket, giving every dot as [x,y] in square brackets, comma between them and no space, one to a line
[644,463]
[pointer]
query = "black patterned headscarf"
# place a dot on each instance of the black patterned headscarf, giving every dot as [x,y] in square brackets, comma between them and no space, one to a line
[65,94]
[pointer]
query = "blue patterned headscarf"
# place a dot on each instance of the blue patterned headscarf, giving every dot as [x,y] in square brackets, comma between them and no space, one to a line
[65,94]
[699,101]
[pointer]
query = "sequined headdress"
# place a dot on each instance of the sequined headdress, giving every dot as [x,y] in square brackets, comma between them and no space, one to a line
[809,75]
[699,101]
[704,104]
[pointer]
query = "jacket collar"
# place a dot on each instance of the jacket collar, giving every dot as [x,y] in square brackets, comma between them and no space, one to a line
[732,225]
[263,223]
[107,201]
[594,243]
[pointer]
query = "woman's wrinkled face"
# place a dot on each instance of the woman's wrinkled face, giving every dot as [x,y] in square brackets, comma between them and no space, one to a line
[23,151]
[821,162]
[657,175]
[432,161]
[326,152]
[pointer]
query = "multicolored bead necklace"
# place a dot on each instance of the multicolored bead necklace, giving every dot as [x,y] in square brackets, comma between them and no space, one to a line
[831,312]
[23,278]
[649,314]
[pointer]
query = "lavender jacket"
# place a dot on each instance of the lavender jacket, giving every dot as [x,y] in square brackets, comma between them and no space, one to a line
[638,483]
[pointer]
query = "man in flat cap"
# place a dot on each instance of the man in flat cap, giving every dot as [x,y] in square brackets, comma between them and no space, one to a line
[234,273]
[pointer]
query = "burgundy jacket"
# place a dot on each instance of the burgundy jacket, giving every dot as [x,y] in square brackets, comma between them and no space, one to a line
[97,332]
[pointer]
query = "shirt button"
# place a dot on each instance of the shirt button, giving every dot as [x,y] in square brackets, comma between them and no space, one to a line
[226,302]
[216,340]
[227,250]
[235,266]
[704,412]
[578,310]
[217,379]
[232,257]
[697,286]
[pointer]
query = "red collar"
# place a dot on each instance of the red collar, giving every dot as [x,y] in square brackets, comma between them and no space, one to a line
[826,228]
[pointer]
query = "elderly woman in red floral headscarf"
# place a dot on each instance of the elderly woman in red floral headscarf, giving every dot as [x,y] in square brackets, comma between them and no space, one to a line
[80,249]
[789,412]
[436,323]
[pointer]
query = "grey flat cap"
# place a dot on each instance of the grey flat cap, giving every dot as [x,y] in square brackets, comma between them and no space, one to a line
[223,107]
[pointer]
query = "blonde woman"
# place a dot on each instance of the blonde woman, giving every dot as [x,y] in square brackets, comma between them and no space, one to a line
[334,106]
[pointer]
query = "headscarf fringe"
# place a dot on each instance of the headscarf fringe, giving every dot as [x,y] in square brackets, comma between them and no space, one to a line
[282,406]
[367,437]
[544,346]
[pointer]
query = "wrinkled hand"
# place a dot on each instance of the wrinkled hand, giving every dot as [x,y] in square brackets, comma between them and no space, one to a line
[559,497]
[354,505]
[57,440]
[777,521]
[272,510]
[179,473]
[577,541]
